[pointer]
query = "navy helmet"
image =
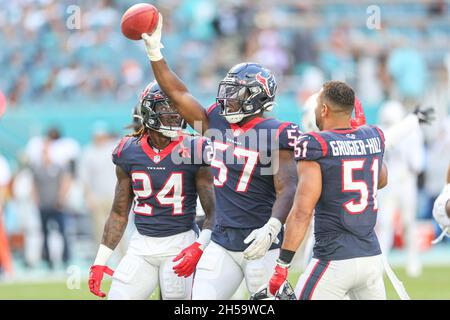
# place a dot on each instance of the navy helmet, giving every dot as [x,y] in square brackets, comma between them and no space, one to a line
[154,106]
[285,292]
[248,89]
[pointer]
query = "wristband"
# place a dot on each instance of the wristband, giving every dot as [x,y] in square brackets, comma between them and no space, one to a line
[204,238]
[103,255]
[286,256]
[155,55]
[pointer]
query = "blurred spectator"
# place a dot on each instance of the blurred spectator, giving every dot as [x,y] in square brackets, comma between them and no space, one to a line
[304,48]
[132,74]
[336,55]
[437,162]
[437,8]
[27,215]
[404,163]
[91,61]
[369,85]
[408,70]
[270,52]
[97,174]
[311,81]
[62,150]
[5,254]
[51,184]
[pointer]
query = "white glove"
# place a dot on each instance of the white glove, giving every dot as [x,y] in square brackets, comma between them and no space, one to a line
[439,213]
[262,239]
[153,43]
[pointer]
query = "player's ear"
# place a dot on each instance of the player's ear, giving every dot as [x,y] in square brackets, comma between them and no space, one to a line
[325,110]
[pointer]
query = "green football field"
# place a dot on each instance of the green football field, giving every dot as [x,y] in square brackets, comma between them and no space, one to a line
[433,284]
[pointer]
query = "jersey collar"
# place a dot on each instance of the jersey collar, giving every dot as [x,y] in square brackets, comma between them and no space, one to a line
[157,157]
[237,130]
[344,130]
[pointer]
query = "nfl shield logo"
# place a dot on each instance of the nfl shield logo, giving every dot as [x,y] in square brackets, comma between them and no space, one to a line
[156,158]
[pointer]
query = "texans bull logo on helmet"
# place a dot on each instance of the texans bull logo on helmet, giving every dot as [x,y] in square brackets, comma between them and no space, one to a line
[268,83]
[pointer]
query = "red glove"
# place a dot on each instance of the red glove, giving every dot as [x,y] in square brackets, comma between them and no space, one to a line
[279,276]
[190,256]
[360,117]
[95,279]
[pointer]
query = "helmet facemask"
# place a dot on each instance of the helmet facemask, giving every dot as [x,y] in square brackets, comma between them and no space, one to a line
[161,116]
[236,101]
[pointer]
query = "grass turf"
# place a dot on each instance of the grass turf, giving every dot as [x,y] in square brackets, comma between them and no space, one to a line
[434,283]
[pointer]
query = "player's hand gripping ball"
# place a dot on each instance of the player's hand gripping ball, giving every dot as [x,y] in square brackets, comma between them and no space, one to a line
[138,19]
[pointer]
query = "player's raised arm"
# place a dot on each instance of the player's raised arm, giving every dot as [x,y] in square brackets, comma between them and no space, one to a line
[187,106]
[285,180]
[191,255]
[308,192]
[114,229]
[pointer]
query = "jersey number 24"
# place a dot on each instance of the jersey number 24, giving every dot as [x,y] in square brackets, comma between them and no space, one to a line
[170,195]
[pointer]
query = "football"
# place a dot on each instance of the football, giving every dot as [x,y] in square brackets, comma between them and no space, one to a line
[138,19]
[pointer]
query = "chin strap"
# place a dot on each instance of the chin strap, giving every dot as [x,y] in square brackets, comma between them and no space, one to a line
[268,106]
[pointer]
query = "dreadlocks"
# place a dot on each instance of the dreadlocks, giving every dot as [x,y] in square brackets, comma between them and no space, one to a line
[139,133]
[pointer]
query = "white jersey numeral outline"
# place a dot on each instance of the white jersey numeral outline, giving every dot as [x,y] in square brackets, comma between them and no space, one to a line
[142,193]
[251,160]
[174,184]
[249,167]
[375,169]
[351,185]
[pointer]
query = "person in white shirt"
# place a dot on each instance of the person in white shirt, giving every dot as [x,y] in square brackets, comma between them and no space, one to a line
[405,159]
[97,176]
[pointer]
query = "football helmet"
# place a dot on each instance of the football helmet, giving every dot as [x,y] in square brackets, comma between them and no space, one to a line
[158,113]
[262,294]
[136,123]
[285,292]
[248,89]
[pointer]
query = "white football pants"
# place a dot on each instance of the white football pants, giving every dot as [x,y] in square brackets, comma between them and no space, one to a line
[147,263]
[220,272]
[357,279]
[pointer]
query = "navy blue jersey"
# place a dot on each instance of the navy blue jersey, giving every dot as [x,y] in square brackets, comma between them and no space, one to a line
[346,213]
[243,174]
[163,182]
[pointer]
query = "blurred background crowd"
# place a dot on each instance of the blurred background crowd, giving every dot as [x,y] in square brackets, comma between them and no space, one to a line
[70,85]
